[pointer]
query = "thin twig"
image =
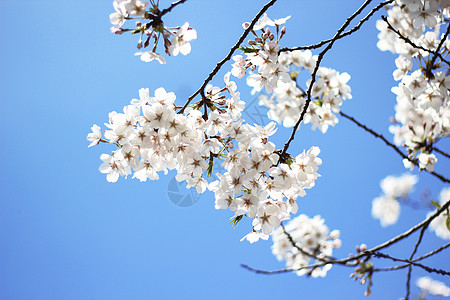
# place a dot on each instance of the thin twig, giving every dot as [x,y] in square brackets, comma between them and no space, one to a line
[371,131]
[313,77]
[172,6]
[433,60]
[356,28]
[407,40]
[410,262]
[386,244]
[440,152]
[228,57]
[416,247]
[414,260]
[303,251]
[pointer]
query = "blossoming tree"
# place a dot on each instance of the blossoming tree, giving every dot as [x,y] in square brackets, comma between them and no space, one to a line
[263,182]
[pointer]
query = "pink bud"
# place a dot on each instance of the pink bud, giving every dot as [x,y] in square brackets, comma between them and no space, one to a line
[245,25]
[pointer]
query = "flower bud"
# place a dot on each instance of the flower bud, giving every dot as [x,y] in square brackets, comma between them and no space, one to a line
[337,243]
[335,234]
[245,25]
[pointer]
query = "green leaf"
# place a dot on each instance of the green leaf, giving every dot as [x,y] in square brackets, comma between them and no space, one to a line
[447,222]
[435,204]
[209,170]
[235,220]
[248,50]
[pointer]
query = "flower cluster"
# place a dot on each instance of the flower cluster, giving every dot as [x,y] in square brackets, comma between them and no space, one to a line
[176,40]
[441,224]
[432,287]
[387,207]
[278,72]
[422,111]
[312,239]
[258,182]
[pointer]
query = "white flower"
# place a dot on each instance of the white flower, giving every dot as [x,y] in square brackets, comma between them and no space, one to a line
[398,186]
[180,40]
[150,55]
[95,136]
[427,161]
[386,209]
[254,236]
[267,219]
[263,22]
[312,236]
[113,167]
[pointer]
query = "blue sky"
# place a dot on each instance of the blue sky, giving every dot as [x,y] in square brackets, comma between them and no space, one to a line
[66,233]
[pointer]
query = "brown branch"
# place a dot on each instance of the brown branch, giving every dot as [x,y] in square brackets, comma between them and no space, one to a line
[416,247]
[407,40]
[230,53]
[366,253]
[371,131]
[440,152]
[414,260]
[172,6]
[349,32]
[313,77]
[410,262]
[303,251]
[430,64]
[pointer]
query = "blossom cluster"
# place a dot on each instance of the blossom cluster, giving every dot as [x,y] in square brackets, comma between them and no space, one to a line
[176,40]
[258,181]
[441,224]
[313,241]
[386,208]
[422,111]
[432,287]
[278,72]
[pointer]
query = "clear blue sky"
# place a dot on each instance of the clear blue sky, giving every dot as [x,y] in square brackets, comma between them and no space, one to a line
[65,233]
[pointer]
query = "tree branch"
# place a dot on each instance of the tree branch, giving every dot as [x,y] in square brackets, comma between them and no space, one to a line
[375,134]
[230,53]
[440,152]
[349,32]
[410,262]
[407,40]
[366,253]
[172,6]
[417,259]
[313,76]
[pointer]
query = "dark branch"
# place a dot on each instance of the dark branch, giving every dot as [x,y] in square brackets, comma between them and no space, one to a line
[366,253]
[441,177]
[417,259]
[407,40]
[228,57]
[303,251]
[440,152]
[349,32]
[313,76]
[410,262]
[172,6]
[430,64]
